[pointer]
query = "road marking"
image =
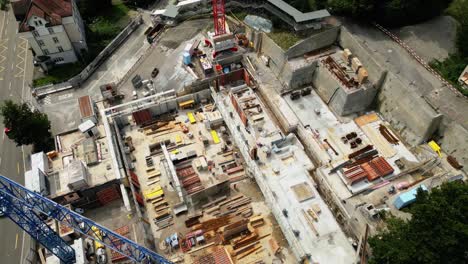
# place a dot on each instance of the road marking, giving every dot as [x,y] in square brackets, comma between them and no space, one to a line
[3,21]
[22,247]
[65,96]
[0,161]
[9,87]
[16,242]
[22,55]
[17,166]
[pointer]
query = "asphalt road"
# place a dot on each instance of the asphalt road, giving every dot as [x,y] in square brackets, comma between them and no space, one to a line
[15,76]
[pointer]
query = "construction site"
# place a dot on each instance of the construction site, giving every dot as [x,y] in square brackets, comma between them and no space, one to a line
[241,151]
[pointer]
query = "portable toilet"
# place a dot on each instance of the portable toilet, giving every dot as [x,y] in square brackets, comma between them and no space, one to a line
[187,59]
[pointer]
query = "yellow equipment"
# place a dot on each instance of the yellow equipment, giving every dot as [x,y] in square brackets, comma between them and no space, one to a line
[434,146]
[191,118]
[215,137]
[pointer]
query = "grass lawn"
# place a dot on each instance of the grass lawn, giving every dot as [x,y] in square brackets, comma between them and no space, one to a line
[59,74]
[284,39]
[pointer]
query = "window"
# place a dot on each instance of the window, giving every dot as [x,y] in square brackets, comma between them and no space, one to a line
[46,52]
[35,23]
[51,30]
[55,40]
[40,42]
[40,22]
[58,59]
[35,33]
[60,48]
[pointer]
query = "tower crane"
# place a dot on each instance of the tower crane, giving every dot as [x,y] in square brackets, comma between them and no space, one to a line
[30,210]
[219,17]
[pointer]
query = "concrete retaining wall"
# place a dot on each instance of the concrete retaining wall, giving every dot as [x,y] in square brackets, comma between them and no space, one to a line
[300,77]
[292,74]
[278,59]
[354,101]
[326,85]
[341,101]
[408,113]
[316,41]
[454,143]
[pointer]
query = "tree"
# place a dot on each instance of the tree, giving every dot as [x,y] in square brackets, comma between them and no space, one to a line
[3,4]
[389,12]
[90,8]
[436,233]
[25,126]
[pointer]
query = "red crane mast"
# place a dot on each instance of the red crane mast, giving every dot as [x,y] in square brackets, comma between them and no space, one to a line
[219,17]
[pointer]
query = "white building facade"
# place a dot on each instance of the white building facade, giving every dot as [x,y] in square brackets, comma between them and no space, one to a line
[55,32]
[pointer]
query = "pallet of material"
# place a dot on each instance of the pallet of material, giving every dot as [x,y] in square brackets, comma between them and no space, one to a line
[190,180]
[212,209]
[257,221]
[157,210]
[234,170]
[237,177]
[311,224]
[316,208]
[248,252]
[234,198]
[157,200]
[220,199]
[162,214]
[244,249]
[152,182]
[243,241]
[195,189]
[214,224]
[239,203]
[192,221]
[312,214]
[153,174]
[161,203]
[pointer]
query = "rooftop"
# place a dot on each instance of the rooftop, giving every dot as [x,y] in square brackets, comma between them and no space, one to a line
[285,174]
[94,159]
[51,10]
[298,15]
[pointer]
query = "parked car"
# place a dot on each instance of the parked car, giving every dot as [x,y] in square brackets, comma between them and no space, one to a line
[154,73]
[134,95]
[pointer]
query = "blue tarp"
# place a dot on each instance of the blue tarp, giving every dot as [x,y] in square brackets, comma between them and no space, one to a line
[408,197]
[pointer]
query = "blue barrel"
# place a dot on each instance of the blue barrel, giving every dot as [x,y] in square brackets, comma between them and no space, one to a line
[187,59]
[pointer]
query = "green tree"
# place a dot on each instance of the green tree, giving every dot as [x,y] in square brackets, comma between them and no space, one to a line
[3,4]
[90,8]
[389,12]
[26,126]
[436,233]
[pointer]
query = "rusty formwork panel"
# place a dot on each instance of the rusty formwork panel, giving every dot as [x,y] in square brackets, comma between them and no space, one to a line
[340,73]
[376,168]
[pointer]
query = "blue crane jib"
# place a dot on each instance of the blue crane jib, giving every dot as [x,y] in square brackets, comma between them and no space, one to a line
[30,210]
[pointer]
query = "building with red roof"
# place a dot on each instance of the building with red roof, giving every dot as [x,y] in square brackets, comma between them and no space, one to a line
[54,29]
